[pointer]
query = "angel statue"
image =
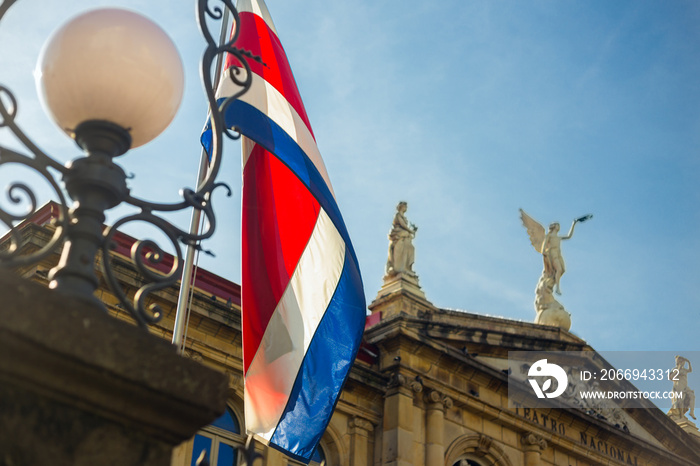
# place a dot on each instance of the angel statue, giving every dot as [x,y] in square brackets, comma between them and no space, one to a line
[549,245]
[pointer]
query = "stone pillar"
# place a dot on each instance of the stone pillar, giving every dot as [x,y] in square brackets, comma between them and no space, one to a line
[360,430]
[435,428]
[397,444]
[79,388]
[534,444]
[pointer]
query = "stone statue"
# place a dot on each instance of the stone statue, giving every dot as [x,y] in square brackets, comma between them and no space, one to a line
[549,245]
[549,310]
[401,250]
[686,403]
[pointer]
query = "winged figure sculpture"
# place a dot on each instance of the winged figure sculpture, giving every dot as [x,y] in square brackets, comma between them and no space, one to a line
[548,243]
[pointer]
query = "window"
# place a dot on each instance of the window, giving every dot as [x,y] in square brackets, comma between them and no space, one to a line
[475,450]
[466,462]
[318,458]
[220,440]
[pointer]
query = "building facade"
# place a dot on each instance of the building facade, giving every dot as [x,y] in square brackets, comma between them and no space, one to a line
[429,386]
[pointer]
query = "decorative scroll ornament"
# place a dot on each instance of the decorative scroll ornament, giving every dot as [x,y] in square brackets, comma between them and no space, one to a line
[144,254]
[533,440]
[357,423]
[437,398]
[484,445]
[19,194]
[415,385]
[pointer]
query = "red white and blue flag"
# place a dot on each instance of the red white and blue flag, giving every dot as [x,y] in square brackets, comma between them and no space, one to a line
[303,305]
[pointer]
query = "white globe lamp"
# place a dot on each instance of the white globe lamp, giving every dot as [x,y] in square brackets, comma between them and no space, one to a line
[111,69]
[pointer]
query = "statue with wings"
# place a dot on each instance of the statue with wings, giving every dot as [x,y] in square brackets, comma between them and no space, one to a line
[549,245]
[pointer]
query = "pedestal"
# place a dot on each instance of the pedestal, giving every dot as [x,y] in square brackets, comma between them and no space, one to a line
[554,317]
[78,387]
[400,293]
[687,425]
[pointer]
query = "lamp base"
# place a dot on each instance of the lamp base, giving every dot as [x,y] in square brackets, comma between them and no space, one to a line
[96,184]
[102,137]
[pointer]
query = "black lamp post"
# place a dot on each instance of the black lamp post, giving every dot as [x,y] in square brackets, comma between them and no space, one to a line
[113,80]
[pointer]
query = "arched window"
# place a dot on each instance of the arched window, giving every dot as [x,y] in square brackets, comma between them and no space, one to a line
[466,462]
[475,450]
[220,440]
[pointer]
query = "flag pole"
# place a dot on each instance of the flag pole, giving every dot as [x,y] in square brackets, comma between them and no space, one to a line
[186,281]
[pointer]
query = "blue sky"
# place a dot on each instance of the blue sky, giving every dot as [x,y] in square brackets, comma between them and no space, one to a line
[468,111]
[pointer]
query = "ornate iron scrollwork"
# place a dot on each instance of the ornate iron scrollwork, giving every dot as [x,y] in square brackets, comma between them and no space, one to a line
[145,253]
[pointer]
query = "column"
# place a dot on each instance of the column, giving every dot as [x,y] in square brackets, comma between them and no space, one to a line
[435,427]
[397,444]
[360,430]
[534,444]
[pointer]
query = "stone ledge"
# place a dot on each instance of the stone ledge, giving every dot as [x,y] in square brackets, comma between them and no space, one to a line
[85,368]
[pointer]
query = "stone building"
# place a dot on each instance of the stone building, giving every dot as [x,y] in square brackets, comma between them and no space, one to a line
[429,386]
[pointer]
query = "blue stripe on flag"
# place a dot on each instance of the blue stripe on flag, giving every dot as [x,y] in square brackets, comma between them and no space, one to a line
[255,125]
[325,367]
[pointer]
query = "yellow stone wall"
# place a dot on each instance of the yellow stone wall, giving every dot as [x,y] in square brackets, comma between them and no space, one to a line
[418,396]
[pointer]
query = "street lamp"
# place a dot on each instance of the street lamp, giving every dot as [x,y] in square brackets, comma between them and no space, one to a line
[111,65]
[113,80]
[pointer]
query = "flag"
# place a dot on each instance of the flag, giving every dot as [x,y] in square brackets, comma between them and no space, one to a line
[303,306]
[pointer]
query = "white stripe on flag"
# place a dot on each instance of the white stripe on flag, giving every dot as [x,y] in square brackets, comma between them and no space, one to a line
[270,102]
[271,375]
[247,146]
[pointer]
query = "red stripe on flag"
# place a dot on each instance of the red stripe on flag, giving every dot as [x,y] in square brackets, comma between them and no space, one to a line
[279,215]
[257,38]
